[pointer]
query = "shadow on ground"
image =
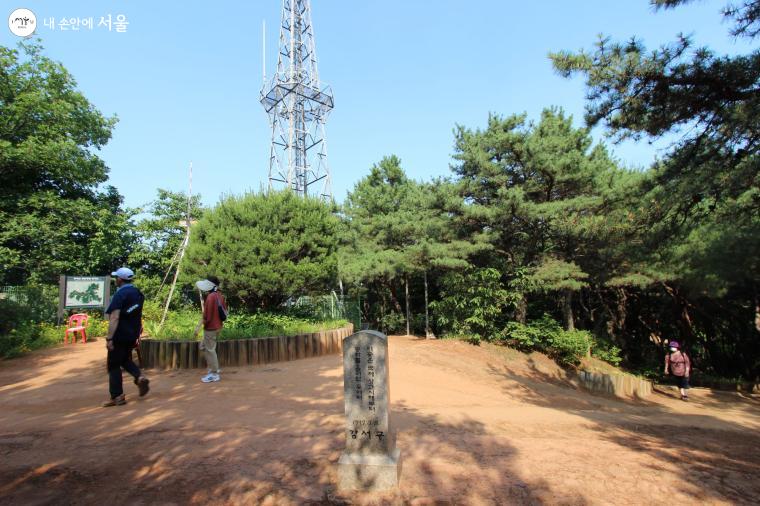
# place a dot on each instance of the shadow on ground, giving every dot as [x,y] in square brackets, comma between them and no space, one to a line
[715,458]
[265,435]
[273,435]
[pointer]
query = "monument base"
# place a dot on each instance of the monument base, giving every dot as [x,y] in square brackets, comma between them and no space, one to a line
[369,472]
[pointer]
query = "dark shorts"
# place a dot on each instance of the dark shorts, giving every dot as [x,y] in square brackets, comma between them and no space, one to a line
[682,381]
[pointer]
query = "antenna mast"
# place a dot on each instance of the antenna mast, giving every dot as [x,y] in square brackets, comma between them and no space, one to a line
[181,253]
[298,106]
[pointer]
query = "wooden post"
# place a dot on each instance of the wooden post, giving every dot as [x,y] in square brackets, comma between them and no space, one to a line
[61,297]
[107,295]
[174,355]
[301,346]
[183,355]
[162,355]
[243,352]
[194,352]
[221,354]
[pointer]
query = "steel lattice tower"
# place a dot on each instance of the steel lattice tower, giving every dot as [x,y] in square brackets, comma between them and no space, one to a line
[298,107]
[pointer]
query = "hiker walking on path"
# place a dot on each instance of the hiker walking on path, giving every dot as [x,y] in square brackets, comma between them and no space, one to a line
[214,314]
[124,326]
[678,364]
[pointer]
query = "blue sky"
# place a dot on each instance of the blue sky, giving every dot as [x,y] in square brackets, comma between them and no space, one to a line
[184,79]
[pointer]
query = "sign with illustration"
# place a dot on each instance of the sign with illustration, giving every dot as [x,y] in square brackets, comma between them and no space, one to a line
[85,291]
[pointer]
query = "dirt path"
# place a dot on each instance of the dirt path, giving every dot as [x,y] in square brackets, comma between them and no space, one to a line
[476,426]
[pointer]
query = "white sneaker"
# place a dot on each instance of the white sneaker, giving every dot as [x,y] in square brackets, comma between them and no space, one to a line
[210,378]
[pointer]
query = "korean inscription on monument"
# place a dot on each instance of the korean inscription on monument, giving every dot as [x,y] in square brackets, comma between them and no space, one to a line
[370,439]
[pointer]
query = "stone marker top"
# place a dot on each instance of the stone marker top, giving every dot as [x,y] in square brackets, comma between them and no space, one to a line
[367,394]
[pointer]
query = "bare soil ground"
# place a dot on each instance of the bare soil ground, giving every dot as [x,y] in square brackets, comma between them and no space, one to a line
[476,426]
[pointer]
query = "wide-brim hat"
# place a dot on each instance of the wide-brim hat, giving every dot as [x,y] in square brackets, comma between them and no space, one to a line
[205,285]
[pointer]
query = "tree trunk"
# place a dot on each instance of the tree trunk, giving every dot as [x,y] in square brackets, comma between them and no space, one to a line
[622,310]
[567,309]
[382,315]
[521,311]
[427,314]
[681,305]
[394,297]
[367,308]
[615,322]
[406,289]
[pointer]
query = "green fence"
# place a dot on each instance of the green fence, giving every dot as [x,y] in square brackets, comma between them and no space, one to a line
[41,301]
[328,307]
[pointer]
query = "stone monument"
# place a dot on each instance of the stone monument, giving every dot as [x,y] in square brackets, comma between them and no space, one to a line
[371,460]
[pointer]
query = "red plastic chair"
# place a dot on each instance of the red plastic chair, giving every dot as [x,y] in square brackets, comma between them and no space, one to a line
[77,323]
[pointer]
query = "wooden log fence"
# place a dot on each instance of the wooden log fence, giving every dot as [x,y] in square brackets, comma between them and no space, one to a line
[161,354]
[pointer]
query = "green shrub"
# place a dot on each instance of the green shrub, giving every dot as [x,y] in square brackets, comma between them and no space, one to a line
[545,334]
[607,352]
[30,303]
[393,323]
[152,310]
[178,325]
[570,346]
[18,339]
[536,335]
[29,336]
[472,303]
[12,315]
[523,337]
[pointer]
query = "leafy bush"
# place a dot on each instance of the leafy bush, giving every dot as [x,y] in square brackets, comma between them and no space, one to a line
[178,324]
[570,346]
[97,327]
[12,315]
[537,335]
[30,336]
[545,334]
[268,324]
[152,310]
[607,352]
[393,323]
[472,303]
[523,337]
[19,339]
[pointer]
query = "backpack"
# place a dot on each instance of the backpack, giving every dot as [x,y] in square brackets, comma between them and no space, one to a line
[222,312]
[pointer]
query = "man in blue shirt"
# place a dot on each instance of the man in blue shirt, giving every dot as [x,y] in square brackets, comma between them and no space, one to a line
[124,327]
